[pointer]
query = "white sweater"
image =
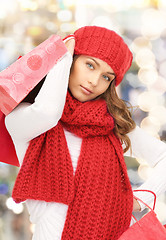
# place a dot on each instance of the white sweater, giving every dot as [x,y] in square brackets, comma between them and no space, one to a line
[30,120]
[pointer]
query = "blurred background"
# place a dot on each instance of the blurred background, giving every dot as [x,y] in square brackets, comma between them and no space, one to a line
[26,23]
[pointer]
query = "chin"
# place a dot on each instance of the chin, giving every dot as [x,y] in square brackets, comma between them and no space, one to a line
[80,97]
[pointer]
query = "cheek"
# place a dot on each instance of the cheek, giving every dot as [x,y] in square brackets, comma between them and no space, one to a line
[103,86]
[72,76]
[77,75]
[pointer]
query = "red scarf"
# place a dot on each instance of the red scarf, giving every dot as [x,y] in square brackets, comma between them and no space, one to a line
[99,196]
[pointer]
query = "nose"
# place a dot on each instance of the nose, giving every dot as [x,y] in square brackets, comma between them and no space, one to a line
[94,80]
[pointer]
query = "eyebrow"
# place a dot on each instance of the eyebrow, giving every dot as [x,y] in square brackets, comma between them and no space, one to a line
[99,65]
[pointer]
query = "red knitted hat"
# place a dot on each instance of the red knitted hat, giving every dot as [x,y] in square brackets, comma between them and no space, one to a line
[106,45]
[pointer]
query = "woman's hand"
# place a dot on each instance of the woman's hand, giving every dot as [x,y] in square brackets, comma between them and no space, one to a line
[70,44]
[136,206]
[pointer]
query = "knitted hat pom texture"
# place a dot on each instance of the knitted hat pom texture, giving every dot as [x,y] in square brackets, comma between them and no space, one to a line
[106,45]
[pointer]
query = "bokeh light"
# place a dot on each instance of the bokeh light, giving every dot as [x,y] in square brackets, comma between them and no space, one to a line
[15,207]
[148,75]
[151,125]
[140,43]
[153,23]
[144,171]
[145,58]
[147,100]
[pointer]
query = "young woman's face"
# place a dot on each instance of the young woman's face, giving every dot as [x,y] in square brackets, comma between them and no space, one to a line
[89,77]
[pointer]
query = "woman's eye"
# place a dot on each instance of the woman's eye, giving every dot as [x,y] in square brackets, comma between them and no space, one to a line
[90,66]
[106,77]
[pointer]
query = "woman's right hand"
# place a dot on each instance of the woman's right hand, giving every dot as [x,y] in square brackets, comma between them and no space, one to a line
[70,44]
[136,206]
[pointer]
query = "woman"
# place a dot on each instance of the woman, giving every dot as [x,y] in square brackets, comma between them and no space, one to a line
[69,142]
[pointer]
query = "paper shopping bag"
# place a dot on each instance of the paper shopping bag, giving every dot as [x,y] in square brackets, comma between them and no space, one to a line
[147,228]
[20,79]
[22,76]
[7,150]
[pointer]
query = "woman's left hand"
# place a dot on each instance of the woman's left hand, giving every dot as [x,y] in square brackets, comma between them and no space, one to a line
[136,206]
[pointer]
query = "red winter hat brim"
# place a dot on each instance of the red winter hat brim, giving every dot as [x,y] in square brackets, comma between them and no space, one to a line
[106,45]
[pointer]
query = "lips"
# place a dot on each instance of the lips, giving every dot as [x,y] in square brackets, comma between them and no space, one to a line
[86,90]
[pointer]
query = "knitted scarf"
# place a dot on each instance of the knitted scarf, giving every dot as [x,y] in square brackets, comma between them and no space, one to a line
[99,196]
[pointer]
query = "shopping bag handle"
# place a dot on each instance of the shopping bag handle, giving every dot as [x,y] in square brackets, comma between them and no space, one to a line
[138,190]
[152,209]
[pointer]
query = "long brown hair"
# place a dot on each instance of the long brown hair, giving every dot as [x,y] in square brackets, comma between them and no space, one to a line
[121,113]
